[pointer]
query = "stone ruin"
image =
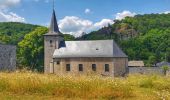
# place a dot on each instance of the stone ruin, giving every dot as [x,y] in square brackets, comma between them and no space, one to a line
[7,57]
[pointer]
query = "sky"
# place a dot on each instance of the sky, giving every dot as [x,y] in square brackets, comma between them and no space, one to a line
[78,16]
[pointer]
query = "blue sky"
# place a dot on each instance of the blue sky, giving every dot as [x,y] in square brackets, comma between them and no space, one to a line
[80,15]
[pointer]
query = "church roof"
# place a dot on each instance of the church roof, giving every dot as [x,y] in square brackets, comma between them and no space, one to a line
[53,29]
[99,48]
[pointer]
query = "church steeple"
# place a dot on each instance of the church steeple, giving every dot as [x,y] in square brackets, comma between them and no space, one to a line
[54,29]
[54,26]
[53,40]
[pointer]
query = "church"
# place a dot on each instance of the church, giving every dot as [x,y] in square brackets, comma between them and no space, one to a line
[100,57]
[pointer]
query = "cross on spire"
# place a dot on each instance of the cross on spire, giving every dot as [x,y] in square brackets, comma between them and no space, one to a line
[53,4]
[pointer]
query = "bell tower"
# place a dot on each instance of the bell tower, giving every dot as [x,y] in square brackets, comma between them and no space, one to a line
[52,42]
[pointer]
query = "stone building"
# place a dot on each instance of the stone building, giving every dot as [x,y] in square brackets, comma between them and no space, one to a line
[136,64]
[102,57]
[7,57]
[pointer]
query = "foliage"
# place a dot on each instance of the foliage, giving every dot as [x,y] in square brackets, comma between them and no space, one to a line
[14,32]
[151,41]
[31,49]
[165,69]
[68,37]
[22,85]
[150,47]
[152,60]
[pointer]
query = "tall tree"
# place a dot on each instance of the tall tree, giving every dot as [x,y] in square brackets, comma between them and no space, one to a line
[31,49]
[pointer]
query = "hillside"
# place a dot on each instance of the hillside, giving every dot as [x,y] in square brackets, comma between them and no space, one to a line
[13,32]
[140,24]
[29,41]
[143,37]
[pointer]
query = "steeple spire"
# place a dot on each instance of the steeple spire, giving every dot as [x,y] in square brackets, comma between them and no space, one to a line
[53,29]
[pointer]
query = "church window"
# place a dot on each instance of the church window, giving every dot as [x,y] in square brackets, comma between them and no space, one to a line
[68,67]
[106,67]
[80,67]
[51,43]
[93,67]
[58,62]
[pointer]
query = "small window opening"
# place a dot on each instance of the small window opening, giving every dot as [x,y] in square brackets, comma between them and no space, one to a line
[93,67]
[68,67]
[51,43]
[58,62]
[107,68]
[80,67]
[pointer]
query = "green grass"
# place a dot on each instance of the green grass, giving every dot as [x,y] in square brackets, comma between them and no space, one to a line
[29,86]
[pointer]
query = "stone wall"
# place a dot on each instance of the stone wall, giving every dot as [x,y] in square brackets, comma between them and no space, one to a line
[145,70]
[117,66]
[7,57]
[121,66]
[49,49]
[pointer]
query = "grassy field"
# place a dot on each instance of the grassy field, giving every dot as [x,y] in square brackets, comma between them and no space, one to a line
[33,86]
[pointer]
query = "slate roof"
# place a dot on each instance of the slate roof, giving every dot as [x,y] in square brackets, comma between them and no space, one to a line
[98,48]
[53,29]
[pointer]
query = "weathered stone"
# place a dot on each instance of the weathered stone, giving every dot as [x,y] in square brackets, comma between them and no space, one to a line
[7,57]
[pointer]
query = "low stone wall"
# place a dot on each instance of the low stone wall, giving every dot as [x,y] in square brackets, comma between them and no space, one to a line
[145,70]
[7,57]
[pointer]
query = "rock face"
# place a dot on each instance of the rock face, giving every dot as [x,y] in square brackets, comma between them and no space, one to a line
[7,57]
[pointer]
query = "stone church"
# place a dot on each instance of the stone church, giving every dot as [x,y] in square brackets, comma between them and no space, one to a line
[102,57]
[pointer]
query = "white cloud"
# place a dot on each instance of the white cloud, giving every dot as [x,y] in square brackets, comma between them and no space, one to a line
[5,15]
[122,15]
[76,26]
[8,3]
[87,11]
[166,12]
[103,22]
[10,17]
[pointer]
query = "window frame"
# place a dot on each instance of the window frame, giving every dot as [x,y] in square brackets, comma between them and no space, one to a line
[58,62]
[80,67]
[94,68]
[51,43]
[106,68]
[68,67]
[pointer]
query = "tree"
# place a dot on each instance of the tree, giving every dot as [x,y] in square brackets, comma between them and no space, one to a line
[14,32]
[152,60]
[165,69]
[168,54]
[31,50]
[69,37]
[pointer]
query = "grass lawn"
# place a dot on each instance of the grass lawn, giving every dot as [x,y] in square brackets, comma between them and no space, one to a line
[34,86]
